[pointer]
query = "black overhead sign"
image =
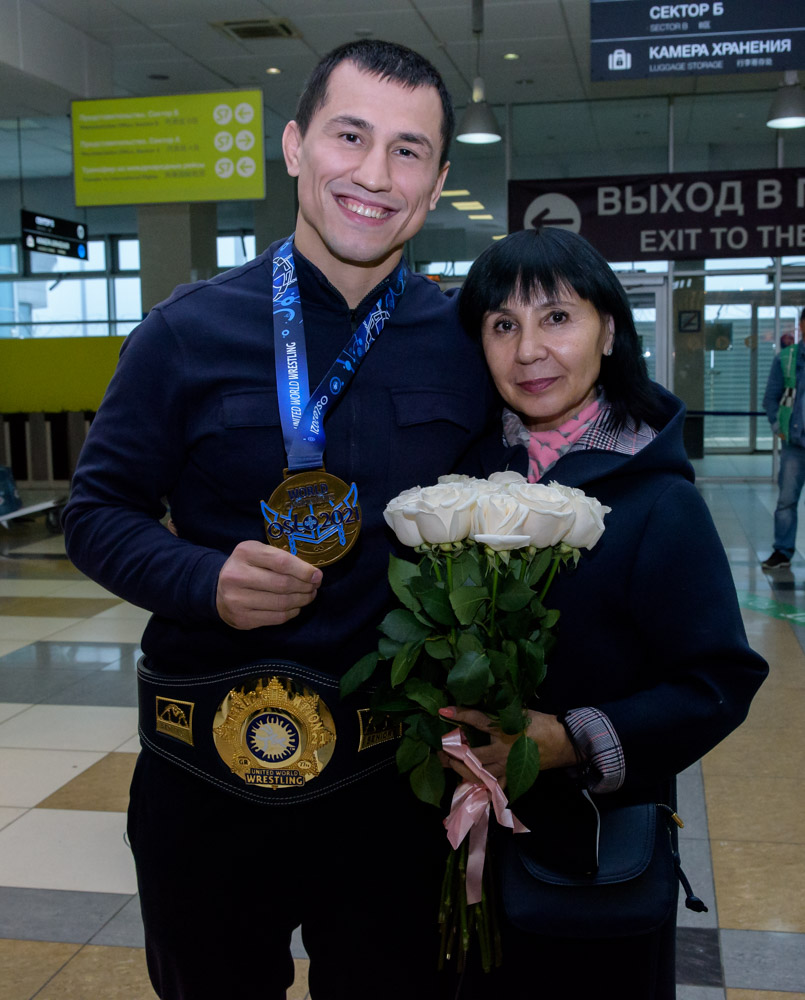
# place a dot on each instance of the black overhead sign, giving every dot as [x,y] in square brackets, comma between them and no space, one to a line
[741,213]
[644,38]
[47,234]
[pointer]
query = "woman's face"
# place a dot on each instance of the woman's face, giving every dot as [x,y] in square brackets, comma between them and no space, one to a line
[545,356]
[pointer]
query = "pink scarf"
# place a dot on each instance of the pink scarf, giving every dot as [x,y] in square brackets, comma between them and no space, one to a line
[545,448]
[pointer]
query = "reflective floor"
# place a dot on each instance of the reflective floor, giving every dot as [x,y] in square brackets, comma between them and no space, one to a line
[69,921]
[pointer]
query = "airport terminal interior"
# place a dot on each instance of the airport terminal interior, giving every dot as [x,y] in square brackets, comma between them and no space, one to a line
[710,326]
[69,919]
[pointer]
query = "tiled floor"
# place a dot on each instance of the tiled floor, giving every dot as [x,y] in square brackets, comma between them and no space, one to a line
[69,922]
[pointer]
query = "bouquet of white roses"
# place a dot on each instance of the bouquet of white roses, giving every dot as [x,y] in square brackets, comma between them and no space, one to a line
[473,631]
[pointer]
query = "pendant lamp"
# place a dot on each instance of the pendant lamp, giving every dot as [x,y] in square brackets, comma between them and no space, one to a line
[788,107]
[478,124]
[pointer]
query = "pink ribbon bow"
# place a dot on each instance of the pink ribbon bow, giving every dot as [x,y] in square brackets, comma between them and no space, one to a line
[469,810]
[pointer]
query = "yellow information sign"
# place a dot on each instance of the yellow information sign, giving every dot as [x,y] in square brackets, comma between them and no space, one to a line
[185,147]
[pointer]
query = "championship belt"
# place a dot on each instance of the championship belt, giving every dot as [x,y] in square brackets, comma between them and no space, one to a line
[272,732]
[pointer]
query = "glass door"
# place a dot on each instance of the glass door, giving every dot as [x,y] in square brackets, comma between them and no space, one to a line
[648,298]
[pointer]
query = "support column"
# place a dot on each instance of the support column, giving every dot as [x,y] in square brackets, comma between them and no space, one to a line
[275,216]
[177,245]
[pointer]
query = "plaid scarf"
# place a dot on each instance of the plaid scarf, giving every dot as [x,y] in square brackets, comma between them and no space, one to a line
[587,430]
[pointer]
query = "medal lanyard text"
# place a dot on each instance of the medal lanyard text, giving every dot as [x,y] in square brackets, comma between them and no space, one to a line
[302,413]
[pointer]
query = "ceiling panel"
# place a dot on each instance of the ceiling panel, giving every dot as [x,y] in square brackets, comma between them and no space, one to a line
[553,135]
[324,31]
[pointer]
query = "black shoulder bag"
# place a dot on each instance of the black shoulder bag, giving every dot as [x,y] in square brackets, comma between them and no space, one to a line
[589,870]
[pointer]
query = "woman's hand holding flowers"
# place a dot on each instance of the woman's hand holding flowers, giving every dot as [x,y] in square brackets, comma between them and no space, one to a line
[555,748]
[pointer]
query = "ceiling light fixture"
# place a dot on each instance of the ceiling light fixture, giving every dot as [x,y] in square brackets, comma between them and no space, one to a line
[788,107]
[468,206]
[511,56]
[457,193]
[273,70]
[478,124]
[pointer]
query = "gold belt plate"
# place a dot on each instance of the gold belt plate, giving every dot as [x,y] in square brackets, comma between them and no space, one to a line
[274,733]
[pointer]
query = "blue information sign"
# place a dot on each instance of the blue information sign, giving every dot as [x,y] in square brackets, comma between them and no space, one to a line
[636,39]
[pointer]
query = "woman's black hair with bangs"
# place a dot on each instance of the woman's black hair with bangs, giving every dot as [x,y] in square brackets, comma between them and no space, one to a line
[541,262]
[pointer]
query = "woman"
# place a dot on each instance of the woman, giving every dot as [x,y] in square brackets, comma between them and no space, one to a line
[651,667]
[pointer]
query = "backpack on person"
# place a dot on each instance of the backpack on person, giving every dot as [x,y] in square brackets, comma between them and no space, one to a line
[788,364]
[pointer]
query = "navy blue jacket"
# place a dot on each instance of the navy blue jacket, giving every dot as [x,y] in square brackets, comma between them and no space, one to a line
[191,415]
[650,631]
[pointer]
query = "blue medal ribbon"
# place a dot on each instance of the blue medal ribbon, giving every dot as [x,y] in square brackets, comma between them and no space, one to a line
[302,413]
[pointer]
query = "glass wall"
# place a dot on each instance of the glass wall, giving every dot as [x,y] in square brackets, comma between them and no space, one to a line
[726,330]
[96,297]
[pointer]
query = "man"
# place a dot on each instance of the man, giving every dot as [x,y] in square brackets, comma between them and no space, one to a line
[787,375]
[260,801]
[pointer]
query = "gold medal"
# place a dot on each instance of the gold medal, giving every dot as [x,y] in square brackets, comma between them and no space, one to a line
[313,515]
[274,734]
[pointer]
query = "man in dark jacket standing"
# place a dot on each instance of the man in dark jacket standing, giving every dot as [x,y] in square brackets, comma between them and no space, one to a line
[787,373]
[260,801]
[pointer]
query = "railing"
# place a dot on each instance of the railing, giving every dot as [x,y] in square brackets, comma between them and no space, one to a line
[42,447]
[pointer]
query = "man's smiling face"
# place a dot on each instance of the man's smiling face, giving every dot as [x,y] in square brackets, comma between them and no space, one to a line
[368,170]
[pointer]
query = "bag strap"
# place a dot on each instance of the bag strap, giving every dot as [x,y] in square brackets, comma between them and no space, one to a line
[789,368]
[692,901]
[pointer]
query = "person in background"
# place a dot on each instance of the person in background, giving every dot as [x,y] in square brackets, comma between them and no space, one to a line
[784,403]
[651,667]
[260,802]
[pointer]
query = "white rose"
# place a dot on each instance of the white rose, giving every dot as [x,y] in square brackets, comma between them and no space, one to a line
[589,523]
[454,477]
[433,514]
[487,487]
[507,478]
[403,526]
[550,513]
[498,522]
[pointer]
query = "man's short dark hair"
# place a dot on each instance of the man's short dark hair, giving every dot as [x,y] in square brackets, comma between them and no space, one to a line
[385,60]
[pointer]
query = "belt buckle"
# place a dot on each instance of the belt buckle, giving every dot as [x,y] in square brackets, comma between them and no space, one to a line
[274,733]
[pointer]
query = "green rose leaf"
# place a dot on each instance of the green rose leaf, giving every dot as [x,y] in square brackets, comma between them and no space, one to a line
[410,753]
[427,728]
[550,619]
[468,642]
[522,767]
[358,673]
[427,780]
[470,678]
[425,694]
[517,624]
[436,604]
[389,701]
[402,626]
[499,662]
[467,602]
[513,719]
[439,649]
[466,569]
[532,662]
[538,568]
[388,648]
[514,595]
[404,662]
[401,572]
